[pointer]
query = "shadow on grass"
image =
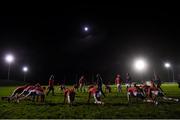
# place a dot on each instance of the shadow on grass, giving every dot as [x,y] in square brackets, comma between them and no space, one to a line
[93,104]
[54,104]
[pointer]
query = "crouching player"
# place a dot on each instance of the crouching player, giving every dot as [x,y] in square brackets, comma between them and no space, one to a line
[26,90]
[155,92]
[69,95]
[38,91]
[135,91]
[93,91]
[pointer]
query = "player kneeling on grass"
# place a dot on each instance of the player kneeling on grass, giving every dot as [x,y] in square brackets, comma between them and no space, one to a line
[69,95]
[93,91]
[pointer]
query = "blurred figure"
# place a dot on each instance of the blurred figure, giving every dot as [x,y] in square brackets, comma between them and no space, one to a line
[62,85]
[151,88]
[135,91]
[158,81]
[26,90]
[107,87]
[76,87]
[16,92]
[69,95]
[99,83]
[118,82]
[51,85]
[128,80]
[36,91]
[82,83]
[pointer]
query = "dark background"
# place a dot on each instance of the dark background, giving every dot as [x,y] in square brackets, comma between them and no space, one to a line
[58,45]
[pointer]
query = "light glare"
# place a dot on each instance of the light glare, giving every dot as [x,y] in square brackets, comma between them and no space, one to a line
[9,58]
[167,65]
[140,64]
[25,69]
[86,28]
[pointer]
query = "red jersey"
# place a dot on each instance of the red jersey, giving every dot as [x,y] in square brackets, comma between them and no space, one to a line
[67,90]
[39,89]
[132,89]
[118,80]
[51,83]
[29,88]
[21,88]
[92,90]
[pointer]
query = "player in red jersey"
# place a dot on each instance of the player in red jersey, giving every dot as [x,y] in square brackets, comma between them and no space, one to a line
[69,95]
[93,91]
[118,82]
[33,92]
[51,85]
[16,92]
[26,90]
[82,83]
[152,89]
[135,91]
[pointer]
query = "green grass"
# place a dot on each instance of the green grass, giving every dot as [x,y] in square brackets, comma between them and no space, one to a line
[115,106]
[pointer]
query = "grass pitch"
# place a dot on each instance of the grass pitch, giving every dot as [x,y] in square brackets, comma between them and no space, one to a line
[115,106]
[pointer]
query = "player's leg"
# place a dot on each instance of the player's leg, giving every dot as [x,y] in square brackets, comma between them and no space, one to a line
[48,91]
[80,85]
[65,95]
[120,87]
[84,88]
[100,89]
[68,98]
[89,96]
[52,90]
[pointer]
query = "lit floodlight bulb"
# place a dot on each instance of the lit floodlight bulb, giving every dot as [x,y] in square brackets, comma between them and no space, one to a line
[25,69]
[140,64]
[9,58]
[167,65]
[86,29]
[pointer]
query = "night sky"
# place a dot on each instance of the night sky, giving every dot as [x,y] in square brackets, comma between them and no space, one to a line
[59,45]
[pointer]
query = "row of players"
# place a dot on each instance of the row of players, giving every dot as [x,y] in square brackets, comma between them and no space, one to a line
[148,92]
[80,85]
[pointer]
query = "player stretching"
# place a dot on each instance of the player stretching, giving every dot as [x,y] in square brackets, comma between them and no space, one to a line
[93,91]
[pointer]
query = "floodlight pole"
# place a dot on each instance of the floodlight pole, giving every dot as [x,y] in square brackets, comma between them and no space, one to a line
[142,76]
[9,70]
[24,76]
[173,74]
[154,74]
[168,75]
